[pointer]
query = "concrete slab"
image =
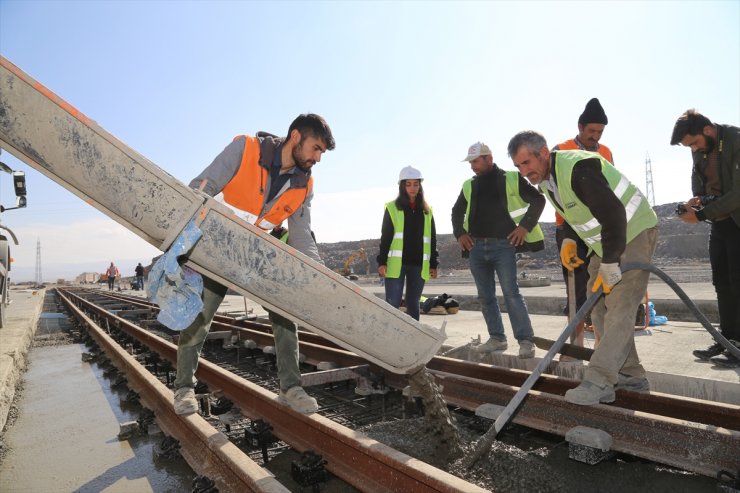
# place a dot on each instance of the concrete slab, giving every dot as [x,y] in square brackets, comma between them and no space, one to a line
[15,339]
[66,436]
[550,300]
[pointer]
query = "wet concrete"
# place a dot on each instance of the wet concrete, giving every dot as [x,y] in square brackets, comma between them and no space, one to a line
[65,438]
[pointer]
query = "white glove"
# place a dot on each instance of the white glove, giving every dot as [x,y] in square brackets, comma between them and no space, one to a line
[609,276]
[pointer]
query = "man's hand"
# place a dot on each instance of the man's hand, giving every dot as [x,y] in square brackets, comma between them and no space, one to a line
[609,275]
[466,242]
[689,216]
[516,237]
[382,269]
[433,273]
[569,254]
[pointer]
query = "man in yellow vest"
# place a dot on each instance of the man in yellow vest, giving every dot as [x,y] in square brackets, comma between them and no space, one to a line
[615,220]
[266,179]
[495,216]
[591,125]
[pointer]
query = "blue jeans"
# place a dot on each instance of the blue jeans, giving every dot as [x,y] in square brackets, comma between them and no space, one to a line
[493,255]
[414,286]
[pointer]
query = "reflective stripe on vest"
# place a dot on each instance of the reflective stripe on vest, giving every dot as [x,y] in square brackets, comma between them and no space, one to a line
[516,206]
[395,254]
[640,216]
[246,192]
[572,145]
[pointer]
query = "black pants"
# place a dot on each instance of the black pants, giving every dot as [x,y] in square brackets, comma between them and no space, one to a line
[724,255]
[580,273]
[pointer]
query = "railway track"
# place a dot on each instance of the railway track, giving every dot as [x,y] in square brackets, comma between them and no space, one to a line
[697,436]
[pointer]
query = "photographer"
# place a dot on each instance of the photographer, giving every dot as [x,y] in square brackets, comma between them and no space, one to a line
[715,181]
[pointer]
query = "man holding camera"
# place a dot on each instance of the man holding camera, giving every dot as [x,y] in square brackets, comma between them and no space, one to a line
[715,183]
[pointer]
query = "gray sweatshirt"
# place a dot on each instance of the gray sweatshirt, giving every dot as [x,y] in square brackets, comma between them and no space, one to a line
[224,167]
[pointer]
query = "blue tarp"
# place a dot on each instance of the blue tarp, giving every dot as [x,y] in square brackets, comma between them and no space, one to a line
[177,289]
[655,319]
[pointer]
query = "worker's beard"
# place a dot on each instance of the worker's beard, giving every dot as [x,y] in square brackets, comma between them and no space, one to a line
[711,143]
[300,160]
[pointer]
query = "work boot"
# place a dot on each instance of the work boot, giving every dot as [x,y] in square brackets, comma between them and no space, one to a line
[491,345]
[185,402]
[713,350]
[589,393]
[634,384]
[298,400]
[526,349]
[727,359]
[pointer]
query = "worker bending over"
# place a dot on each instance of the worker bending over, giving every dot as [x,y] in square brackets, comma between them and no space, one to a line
[265,179]
[615,220]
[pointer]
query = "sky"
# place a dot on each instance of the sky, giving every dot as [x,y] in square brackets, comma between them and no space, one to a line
[400,83]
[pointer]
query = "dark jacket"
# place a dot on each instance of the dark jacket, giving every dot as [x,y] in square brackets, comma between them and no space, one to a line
[727,204]
[413,234]
[489,212]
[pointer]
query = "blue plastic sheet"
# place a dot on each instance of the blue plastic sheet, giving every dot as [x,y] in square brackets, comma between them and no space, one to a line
[654,318]
[177,289]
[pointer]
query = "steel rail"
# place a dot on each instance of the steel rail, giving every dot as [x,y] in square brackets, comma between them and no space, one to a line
[208,451]
[316,349]
[695,441]
[696,447]
[364,463]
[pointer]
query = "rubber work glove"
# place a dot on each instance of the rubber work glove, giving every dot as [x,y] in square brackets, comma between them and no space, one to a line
[609,275]
[569,254]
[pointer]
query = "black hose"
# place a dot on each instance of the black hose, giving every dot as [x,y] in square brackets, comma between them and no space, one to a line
[730,347]
[484,443]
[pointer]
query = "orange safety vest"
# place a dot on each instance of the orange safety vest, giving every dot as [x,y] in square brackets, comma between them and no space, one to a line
[572,145]
[247,190]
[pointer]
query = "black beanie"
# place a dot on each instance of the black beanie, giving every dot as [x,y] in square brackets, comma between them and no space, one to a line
[593,113]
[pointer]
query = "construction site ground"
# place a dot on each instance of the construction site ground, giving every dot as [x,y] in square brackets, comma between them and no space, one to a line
[62,431]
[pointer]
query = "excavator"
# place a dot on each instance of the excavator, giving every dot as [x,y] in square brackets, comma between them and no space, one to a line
[56,139]
[353,257]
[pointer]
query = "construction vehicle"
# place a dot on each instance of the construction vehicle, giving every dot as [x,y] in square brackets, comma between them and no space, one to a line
[19,183]
[53,137]
[353,257]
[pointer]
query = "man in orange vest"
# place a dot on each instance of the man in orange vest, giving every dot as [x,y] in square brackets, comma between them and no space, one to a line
[266,179]
[591,125]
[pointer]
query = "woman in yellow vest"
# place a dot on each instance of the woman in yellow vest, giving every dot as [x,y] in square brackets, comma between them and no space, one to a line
[408,243]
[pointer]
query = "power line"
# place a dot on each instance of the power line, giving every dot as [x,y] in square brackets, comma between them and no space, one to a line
[38,279]
[649,181]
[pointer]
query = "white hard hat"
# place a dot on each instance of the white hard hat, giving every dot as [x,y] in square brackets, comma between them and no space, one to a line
[409,173]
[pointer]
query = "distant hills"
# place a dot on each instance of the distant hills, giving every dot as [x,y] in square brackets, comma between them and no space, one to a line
[677,240]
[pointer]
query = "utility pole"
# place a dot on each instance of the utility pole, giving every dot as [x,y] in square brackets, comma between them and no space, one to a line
[650,193]
[38,279]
